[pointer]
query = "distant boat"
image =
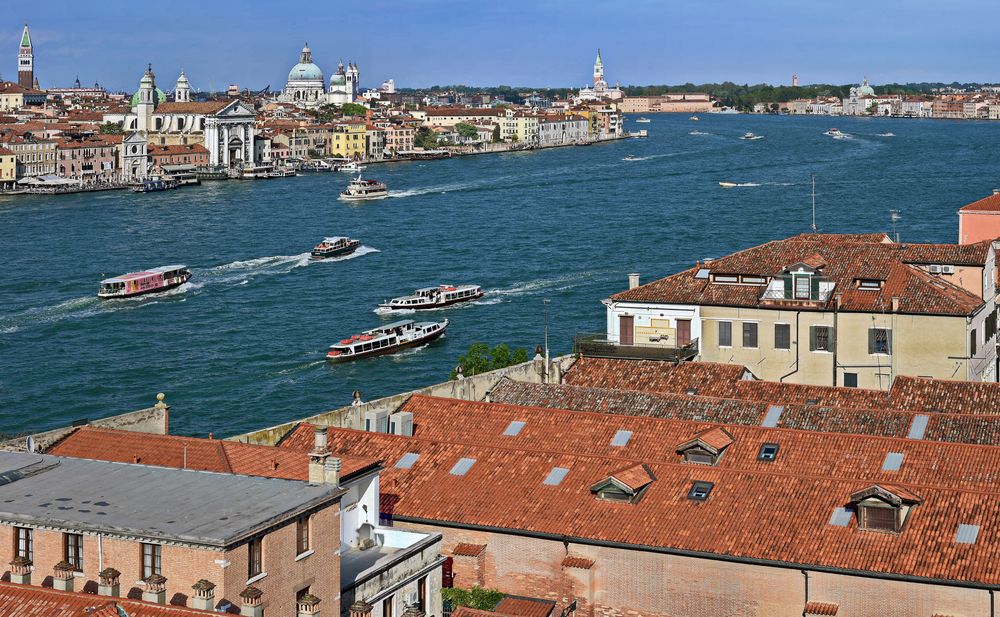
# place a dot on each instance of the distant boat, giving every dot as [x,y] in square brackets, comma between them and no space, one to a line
[729,185]
[154,185]
[751,136]
[836,134]
[886,134]
[336,246]
[386,339]
[694,118]
[361,190]
[432,297]
[631,157]
[146,282]
[352,167]
[642,120]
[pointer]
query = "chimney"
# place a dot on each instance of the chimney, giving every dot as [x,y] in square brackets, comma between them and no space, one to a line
[836,299]
[318,456]
[360,609]
[308,606]
[251,602]
[331,471]
[20,571]
[633,280]
[62,576]
[204,595]
[156,589]
[996,191]
[110,583]
[895,304]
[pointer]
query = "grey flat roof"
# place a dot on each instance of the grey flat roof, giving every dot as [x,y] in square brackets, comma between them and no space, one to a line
[181,505]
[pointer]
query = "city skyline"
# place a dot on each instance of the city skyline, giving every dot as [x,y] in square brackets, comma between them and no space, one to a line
[424,46]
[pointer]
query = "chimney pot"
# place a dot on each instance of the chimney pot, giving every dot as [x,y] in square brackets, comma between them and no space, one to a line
[110,583]
[895,304]
[251,602]
[204,595]
[308,606]
[62,576]
[331,471]
[633,280]
[320,440]
[156,589]
[20,571]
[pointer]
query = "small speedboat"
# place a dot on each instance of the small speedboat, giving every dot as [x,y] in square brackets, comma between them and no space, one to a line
[361,190]
[386,339]
[336,246]
[151,281]
[631,157]
[886,134]
[642,120]
[351,168]
[751,137]
[693,118]
[432,297]
[836,134]
[729,185]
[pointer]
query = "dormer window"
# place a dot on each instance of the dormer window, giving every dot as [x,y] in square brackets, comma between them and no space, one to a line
[707,447]
[627,485]
[869,284]
[884,509]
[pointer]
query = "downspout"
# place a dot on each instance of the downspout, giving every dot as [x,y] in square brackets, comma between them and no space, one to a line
[797,338]
[992,612]
[836,336]
[805,577]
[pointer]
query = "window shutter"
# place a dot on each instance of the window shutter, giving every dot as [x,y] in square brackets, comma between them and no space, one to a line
[788,286]
[812,338]
[814,288]
[871,340]
[888,340]
[831,337]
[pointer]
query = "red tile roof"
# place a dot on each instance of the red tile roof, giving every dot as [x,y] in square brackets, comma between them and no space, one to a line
[30,601]
[821,608]
[198,107]
[990,203]
[634,477]
[178,149]
[468,550]
[577,562]
[525,607]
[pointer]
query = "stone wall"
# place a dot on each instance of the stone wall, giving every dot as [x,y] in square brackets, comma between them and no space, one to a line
[150,420]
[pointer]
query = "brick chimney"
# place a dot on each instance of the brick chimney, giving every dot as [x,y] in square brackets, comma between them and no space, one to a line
[251,602]
[895,304]
[318,456]
[156,589]
[62,576]
[308,606]
[361,609]
[110,583]
[20,571]
[204,595]
[633,280]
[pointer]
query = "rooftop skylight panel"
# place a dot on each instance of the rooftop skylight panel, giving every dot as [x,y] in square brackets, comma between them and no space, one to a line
[621,438]
[893,461]
[700,491]
[556,476]
[967,534]
[513,428]
[462,466]
[407,460]
[918,427]
[773,415]
[841,517]
[702,273]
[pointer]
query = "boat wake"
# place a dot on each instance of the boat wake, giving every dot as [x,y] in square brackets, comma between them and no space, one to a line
[732,185]
[559,283]
[445,188]
[699,133]
[240,272]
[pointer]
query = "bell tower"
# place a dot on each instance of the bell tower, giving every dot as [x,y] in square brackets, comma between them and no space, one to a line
[598,69]
[25,61]
[182,91]
[147,100]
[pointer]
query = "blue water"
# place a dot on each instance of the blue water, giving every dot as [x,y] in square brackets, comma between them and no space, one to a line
[242,345]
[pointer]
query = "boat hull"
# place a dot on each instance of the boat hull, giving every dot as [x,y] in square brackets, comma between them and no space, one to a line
[430,305]
[347,250]
[388,350]
[146,292]
[344,197]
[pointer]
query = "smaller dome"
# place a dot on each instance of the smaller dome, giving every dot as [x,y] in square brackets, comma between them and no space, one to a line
[338,80]
[161,97]
[305,72]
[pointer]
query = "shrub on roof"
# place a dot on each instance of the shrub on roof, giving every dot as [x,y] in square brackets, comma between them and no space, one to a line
[478,597]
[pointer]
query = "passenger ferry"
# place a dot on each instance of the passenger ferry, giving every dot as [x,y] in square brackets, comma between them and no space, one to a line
[360,190]
[432,297]
[154,185]
[145,282]
[642,120]
[336,246]
[386,339]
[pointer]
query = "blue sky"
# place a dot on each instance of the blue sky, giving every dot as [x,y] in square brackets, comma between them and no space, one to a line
[525,43]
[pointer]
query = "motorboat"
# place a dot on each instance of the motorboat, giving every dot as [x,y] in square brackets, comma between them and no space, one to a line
[886,134]
[360,190]
[386,339]
[836,134]
[432,297]
[693,118]
[335,246]
[751,137]
[729,185]
[134,284]
[631,157]
[315,165]
[642,120]
[352,168]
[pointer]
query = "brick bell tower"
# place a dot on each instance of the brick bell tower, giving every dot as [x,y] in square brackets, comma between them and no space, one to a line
[25,61]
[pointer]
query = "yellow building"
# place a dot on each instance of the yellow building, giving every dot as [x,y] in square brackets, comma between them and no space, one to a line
[11,96]
[8,169]
[349,140]
[841,310]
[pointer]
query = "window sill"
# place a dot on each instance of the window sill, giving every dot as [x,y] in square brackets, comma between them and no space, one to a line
[820,351]
[254,579]
[302,556]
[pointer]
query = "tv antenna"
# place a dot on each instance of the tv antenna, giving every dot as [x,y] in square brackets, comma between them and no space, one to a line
[814,228]
[895,217]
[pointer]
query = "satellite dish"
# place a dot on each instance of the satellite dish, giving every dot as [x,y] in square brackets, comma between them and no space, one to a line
[29,444]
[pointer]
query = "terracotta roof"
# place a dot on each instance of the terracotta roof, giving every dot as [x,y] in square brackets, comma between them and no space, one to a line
[577,562]
[990,203]
[5,151]
[199,107]
[525,607]
[821,608]
[178,149]
[634,477]
[651,375]
[31,601]
[194,453]
[468,550]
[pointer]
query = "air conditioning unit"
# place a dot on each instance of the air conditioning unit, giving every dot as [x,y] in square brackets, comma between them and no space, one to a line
[947,269]
[377,421]
[935,269]
[401,424]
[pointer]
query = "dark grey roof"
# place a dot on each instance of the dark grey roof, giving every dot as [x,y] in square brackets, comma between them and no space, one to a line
[196,507]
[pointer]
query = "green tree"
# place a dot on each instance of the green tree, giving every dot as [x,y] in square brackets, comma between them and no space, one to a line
[425,138]
[112,128]
[481,359]
[496,134]
[467,131]
[314,154]
[353,109]
[478,597]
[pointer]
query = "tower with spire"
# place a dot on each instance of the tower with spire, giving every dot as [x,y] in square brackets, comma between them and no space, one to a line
[352,80]
[182,91]
[147,100]
[598,69]
[26,61]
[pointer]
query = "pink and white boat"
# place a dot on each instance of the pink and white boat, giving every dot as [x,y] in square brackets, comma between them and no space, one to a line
[146,282]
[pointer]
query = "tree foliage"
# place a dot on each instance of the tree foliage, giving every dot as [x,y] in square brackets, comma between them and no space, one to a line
[478,597]
[353,109]
[481,359]
[111,128]
[466,130]
[425,138]
[496,134]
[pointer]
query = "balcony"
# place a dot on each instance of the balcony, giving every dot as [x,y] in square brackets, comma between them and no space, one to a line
[600,346]
[782,292]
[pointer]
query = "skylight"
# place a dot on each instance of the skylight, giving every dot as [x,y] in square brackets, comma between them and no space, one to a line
[700,491]
[918,427]
[407,460]
[702,273]
[768,452]
[621,438]
[893,461]
[691,391]
[556,476]
[841,517]
[773,414]
[462,466]
[967,534]
[514,428]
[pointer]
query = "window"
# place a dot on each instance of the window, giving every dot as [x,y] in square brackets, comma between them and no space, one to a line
[422,593]
[387,607]
[725,334]
[720,278]
[700,491]
[879,341]
[972,343]
[820,338]
[768,452]
[754,280]
[879,518]
[23,545]
[697,455]
[801,287]
[302,535]
[73,550]
[749,335]
[782,336]
[850,380]
[152,559]
[870,284]
[255,558]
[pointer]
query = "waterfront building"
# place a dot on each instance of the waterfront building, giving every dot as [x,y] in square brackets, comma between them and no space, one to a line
[850,310]
[398,138]
[343,85]
[134,157]
[26,62]
[195,155]
[915,107]
[349,140]
[35,157]
[599,90]
[951,107]
[554,131]
[87,159]
[199,539]
[375,142]
[673,102]
[305,86]
[859,99]
[8,169]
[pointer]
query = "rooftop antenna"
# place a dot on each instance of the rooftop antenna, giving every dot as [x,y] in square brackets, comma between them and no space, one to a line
[814,228]
[895,217]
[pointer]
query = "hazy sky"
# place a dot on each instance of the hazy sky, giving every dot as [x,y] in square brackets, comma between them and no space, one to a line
[487,42]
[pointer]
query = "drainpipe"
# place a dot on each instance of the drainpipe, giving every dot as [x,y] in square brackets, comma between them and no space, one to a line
[805,579]
[797,337]
[836,335]
[992,612]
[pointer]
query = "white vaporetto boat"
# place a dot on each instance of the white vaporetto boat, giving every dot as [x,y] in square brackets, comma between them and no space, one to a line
[150,281]
[360,190]
[386,339]
[432,297]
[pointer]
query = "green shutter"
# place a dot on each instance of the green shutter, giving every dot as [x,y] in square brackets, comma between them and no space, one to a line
[812,338]
[814,288]
[788,286]
[831,337]
[871,340]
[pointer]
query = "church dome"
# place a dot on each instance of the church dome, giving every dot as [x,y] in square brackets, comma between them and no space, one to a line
[305,72]
[338,80]
[161,97]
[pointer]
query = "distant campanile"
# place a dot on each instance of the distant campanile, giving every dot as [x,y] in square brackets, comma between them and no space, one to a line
[25,61]
[795,81]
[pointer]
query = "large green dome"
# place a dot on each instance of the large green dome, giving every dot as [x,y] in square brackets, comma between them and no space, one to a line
[305,71]
[161,97]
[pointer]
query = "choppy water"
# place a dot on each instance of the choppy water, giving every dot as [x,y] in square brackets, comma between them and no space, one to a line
[241,346]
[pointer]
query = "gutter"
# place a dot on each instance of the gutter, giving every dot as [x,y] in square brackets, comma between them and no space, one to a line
[565,539]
